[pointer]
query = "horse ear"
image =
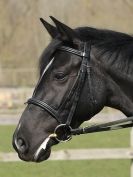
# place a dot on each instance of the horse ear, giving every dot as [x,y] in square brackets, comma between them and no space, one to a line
[52,30]
[66,32]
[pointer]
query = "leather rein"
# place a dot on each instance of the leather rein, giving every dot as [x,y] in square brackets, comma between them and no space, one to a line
[63,132]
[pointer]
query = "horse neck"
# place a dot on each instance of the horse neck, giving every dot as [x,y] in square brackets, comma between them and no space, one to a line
[118,86]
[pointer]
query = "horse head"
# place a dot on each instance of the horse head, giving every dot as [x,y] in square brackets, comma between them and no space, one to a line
[72,88]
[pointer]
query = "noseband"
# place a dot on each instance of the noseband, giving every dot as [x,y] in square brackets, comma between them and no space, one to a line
[74,93]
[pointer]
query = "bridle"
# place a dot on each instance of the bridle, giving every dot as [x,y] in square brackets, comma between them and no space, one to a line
[74,94]
[64,132]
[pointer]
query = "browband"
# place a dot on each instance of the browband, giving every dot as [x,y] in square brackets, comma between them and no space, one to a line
[74,51]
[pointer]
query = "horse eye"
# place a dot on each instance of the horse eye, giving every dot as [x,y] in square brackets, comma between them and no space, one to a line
[59,75]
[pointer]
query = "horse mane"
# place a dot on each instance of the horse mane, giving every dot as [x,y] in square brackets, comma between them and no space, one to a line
[114,48]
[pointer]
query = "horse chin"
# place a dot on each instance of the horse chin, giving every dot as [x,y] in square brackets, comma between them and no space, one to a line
[43,155]
[39,155]
[25,158]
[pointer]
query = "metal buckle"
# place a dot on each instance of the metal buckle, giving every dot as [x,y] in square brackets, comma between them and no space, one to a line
[63,133]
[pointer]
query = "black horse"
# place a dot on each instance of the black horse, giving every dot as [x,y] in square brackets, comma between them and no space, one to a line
[81,71]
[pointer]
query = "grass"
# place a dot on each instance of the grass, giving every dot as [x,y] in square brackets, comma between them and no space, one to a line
[85,168]
[6,133]
[108,168]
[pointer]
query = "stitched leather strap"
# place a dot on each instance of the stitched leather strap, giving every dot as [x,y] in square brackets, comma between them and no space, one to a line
[44,106]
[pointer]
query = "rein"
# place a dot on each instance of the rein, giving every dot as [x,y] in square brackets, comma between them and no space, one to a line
[69,132]
[113,125]
[63,132]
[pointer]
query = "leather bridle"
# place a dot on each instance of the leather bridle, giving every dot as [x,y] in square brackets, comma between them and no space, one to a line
[73,97]
[74,93]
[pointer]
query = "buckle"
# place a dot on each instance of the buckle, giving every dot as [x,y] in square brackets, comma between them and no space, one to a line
[63,133]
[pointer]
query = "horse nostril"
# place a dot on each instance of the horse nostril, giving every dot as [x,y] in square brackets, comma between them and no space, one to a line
[21,145]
